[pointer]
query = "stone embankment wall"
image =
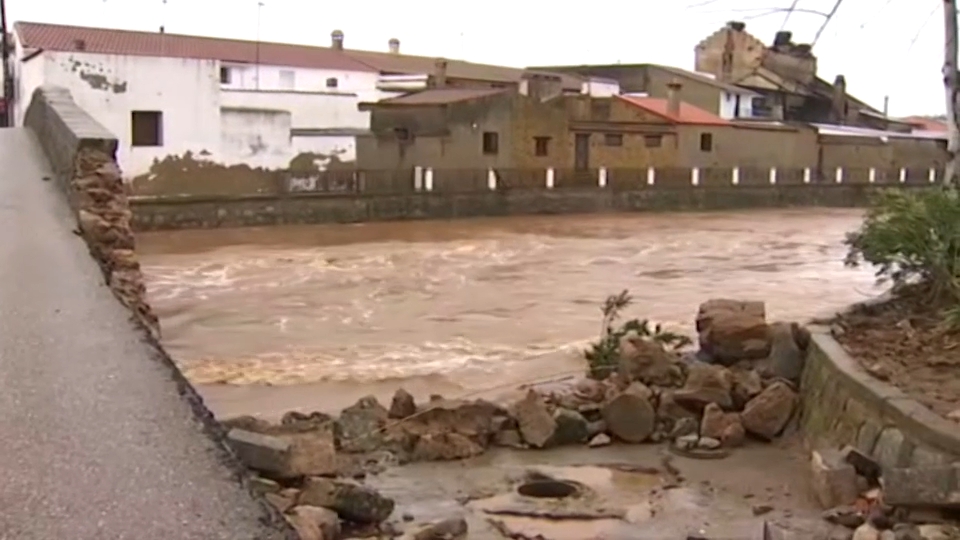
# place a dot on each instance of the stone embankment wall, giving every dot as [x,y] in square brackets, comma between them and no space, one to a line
[308,208]
[82,154]
[844,405]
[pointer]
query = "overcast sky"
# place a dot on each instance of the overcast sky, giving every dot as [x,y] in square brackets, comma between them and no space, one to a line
[883,47]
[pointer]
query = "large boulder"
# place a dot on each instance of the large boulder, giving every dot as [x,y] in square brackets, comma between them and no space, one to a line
[706,384]
[352,502]
[722,426]
[446,429]
[732,330]
[644,360]
[537,426]
[402,405]
[572,428]
[786,355]
[360,426]
[629,416]
[314,522]
[444,446]
[767,414]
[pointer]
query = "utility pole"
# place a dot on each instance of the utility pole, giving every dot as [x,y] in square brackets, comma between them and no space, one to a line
[951,86]
[5,118]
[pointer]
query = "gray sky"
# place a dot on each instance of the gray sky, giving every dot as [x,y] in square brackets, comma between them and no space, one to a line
[883,47]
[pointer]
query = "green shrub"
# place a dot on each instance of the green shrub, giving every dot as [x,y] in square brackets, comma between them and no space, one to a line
[604,354]
[912,238]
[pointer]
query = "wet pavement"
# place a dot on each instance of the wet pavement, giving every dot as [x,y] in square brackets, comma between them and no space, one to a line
[341,311]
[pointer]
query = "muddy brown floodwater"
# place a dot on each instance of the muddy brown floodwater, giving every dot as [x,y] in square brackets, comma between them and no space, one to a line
[459,306]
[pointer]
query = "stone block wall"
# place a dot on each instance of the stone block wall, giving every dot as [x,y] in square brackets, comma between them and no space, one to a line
[82,154]
[843,404]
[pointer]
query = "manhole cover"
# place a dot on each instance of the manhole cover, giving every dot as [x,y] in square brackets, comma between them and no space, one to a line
[548,489]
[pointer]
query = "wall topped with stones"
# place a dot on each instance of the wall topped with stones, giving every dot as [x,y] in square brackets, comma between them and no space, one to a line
[844,405]
[82,154]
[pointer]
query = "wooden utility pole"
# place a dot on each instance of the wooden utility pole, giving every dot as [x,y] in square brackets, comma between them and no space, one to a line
[952,87]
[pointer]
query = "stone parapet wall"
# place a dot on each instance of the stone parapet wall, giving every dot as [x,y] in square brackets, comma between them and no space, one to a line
[844,405]
[307,208]
[82,154]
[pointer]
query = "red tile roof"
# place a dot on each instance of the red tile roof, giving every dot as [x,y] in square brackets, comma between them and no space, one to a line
[926,124]
[54,37]
[688,113]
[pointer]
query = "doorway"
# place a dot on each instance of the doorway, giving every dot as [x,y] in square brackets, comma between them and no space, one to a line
[581,152]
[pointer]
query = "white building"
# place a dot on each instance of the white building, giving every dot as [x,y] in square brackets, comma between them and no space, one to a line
[227,101]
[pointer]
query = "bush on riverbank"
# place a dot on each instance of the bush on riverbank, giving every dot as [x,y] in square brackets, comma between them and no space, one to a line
[913,238]
[604,354]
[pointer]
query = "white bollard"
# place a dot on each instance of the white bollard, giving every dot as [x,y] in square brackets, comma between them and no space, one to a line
[839,175]
[491,179]
[806,175]
[418,178]
[695,176]
[735,176]
[602,177]
[872,175]
[903,175]
[551,178]
[933,175]
[428,179]
[651,176]
[773,175]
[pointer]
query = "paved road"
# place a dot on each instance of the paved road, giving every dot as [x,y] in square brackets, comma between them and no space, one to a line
[95,442]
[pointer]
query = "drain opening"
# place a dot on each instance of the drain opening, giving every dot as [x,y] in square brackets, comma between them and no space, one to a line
[548,489]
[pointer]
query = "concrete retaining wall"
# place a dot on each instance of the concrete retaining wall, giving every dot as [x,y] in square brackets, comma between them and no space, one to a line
[196,212]
[843,404]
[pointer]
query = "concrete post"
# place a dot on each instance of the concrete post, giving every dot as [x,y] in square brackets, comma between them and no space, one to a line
[602,177]
[872,175]
[735,176]
[933,175]
[491,179]
[417,178]
[903,175]
[839,175]
[806,175]
[695,176]
[551,178]
[773,175]
[651,176]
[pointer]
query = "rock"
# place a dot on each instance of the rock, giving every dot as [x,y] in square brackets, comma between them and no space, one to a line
[933,487]
[298,422]
[706,384]
[402,405]
[747,385]
[848,516]
[906,531]
[715,307]
[509,438]
[448,529]
[864,464]
[248,423]
[351,502]
[888,535]
[264,485]
[762,509]
[866,532]
[644,360]
[590,390]
[361,426]
[834,481]
[537,425]
[767,414]
[786,356]
[954,415]
[723,426]
[279,501]
[708,443]
[596,428]
[325,520]
[313,453]
[629,416]
[683,426]
[669,411]
[264,453]
[445,446]
[571,428]
[601,439]
[938,532]
[732,330]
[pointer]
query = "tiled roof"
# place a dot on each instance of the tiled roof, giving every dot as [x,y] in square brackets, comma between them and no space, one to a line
[699,77]
[441,96]
[688,113]
[407,64]
[53,37]
[926,123]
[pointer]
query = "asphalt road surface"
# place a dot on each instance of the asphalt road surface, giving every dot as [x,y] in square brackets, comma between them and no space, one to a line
[95,442]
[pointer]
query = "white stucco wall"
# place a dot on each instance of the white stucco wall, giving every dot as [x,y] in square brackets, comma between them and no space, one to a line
[245,77]
[309,110]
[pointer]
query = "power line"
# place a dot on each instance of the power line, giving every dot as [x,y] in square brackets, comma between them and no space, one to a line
[826,21]
[786,18]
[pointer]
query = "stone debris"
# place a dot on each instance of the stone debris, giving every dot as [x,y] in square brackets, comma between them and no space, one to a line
[834,480]
[767,414]
[402,405]
[448,529]
[315,521]
[537,425]
[352,502]
[629,416]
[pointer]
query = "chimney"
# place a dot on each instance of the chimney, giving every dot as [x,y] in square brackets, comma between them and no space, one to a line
[782,38]
[737,26]
[80,44]
[336,40]
[440,73]
[673,97]
[394,45]
[840,112]
[161,29]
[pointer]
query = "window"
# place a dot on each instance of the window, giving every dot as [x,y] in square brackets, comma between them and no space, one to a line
[613,139]
[226,75]
[287,79]
[653,141]
[146,128]
[332,82]
[491,143]
[541,146]
[706,142]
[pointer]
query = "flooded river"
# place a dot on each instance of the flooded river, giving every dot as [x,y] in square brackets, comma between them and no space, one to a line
[461,306]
